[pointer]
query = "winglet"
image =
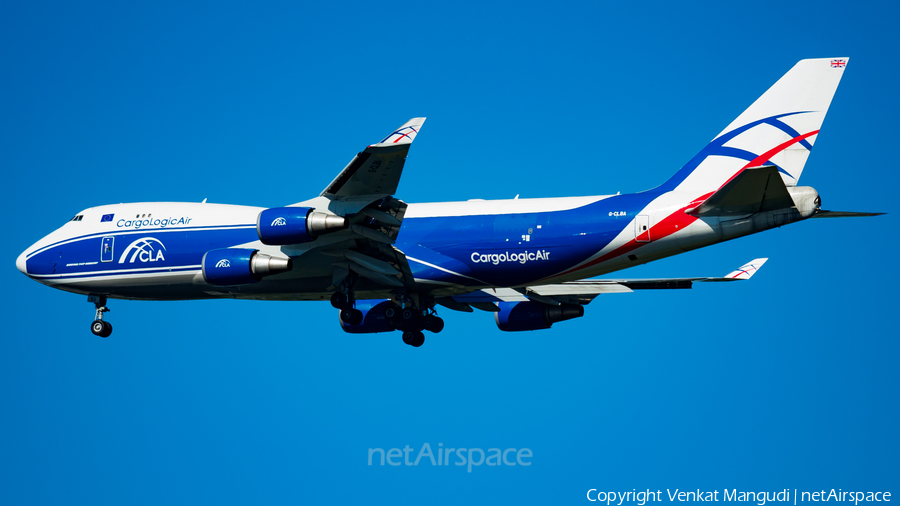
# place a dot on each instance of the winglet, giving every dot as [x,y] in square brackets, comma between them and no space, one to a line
[405,134]
[747,270]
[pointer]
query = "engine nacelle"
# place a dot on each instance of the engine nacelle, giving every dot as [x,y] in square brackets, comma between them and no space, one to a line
[238,266]
[374,319]
[518,316]
[293,225]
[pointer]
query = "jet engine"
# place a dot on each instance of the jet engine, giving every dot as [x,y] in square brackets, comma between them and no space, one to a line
[238,266]
[374,319]
[293,225]
[518,316]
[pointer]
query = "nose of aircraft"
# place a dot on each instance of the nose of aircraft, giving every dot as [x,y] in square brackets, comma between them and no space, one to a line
[20,263]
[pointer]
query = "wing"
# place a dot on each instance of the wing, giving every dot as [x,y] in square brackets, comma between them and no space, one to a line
[583,292]
[363,254]
[375,172]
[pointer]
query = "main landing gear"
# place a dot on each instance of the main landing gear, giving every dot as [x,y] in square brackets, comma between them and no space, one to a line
[413,321]
[345,302]
[414,338]
[98,326]
[411,316]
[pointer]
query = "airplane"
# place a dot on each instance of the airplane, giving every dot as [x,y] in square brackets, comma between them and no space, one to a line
[386,265]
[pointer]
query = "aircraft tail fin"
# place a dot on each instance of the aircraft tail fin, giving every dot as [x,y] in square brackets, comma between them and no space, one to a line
[778,129]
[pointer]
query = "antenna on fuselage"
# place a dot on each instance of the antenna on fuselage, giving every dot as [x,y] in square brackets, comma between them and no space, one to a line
[204,201]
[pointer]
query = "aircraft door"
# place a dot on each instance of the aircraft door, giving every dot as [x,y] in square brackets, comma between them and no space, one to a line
[642,228]
[106,249]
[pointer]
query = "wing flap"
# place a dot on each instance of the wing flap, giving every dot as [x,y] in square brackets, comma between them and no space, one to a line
[449,303]
[578,288]
[490,295]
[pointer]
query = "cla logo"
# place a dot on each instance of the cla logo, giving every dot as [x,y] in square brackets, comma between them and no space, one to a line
[278,222]
[145,249]
[223,263]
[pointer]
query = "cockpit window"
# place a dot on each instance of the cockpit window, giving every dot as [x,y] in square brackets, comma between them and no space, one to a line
[77,217]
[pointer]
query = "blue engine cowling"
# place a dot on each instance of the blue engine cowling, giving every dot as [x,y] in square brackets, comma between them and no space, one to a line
[280,226]
[239,266]
[519,316]
[374,319]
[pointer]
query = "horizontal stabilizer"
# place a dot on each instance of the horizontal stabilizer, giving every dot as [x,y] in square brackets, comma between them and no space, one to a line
[753,190]
[842,214]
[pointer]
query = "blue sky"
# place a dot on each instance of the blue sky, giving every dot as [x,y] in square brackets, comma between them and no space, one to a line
[787,381]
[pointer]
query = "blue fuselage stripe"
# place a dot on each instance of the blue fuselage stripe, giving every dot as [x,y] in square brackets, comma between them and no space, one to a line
[514,249]
[158,249]
[502,249]
[133,231]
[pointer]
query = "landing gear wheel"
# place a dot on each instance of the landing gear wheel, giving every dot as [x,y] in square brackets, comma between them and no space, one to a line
[392,313]
[410,320]
[414,338]
[351,316]
[434,324]
[341,300]
[101,328]
[98,326]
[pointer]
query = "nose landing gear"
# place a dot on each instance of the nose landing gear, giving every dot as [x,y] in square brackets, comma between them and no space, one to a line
[98,326]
